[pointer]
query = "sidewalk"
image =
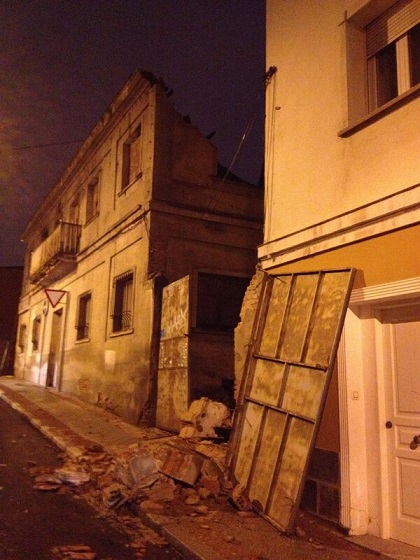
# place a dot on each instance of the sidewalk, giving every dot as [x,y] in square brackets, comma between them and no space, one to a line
[225,534]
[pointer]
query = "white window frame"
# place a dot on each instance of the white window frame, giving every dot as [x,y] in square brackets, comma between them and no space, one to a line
[364,37]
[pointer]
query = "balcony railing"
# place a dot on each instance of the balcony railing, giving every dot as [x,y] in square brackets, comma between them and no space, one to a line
[56,256]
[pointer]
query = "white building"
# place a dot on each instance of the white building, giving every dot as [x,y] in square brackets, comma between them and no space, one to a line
[343,190]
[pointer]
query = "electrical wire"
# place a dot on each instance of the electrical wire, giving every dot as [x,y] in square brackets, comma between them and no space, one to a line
[17,148]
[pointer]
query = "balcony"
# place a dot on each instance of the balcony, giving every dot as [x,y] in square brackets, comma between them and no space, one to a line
[56,256]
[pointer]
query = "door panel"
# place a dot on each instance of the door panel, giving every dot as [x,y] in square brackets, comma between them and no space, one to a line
[291,357]
[404,413]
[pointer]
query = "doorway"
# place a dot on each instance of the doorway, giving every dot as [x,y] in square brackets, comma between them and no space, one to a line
[54,356]
[379,399]
[401,333]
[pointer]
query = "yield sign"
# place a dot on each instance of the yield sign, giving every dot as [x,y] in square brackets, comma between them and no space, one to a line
[54,296]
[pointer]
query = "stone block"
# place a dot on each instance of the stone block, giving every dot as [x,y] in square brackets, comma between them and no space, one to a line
[182,465]
[203,416]
[136,470]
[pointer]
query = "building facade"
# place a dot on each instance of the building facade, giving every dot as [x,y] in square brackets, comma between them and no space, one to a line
[343,190]
[140,206]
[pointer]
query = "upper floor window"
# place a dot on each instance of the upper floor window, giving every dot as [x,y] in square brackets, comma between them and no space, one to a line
[36,332]
[92,199]
[84,316]
[122,313]
[131,158]
[74,214]
[383,62]
[393,52]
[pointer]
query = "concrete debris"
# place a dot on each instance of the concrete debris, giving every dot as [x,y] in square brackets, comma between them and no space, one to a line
[192,500]
[114,495]
[48,478]
[162,492]
[72,475]
[149,506]
[181,465]
[137,469]
[203,416]
[73,552]
[240,498]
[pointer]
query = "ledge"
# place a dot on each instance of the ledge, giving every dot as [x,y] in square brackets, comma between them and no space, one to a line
[381,112]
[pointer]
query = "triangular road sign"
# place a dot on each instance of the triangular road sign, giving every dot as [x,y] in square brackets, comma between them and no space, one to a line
[54,296]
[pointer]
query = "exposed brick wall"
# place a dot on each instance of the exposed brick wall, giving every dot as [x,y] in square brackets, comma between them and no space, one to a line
[322,488]
[244,328]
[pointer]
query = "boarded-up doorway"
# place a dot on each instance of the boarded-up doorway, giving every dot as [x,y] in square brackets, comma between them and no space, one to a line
[173,383]
[54,357]
[292,352]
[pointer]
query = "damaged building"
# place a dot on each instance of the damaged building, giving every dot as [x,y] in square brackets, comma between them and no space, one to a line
[136,265]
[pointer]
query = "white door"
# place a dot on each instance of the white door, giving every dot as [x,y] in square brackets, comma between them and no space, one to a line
[403,429]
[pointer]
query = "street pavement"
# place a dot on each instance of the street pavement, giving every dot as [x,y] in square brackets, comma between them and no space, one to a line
[74,426]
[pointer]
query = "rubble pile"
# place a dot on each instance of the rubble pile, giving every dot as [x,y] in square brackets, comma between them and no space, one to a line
[171,476]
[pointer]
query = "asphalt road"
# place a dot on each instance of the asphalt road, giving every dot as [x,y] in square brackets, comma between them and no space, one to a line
[32,522]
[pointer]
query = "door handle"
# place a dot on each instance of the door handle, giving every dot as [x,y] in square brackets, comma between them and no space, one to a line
[388,425]
[415,443]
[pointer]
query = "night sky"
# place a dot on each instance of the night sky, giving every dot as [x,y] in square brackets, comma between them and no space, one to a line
[63,61]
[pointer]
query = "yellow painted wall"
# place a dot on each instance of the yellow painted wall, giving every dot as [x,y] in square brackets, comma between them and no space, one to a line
[312,174]
[386,258]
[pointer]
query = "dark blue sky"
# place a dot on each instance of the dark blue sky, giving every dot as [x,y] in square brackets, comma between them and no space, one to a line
[63,61]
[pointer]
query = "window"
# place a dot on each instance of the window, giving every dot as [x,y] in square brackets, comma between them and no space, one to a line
[383,60]
[92,199]
[83,316]
[122,316]
[131,158]
[393,52]
[22,337]
[74,211]
[219,301]
[36,331]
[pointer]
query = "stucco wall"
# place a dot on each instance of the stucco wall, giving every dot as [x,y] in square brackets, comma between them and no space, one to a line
[312,174]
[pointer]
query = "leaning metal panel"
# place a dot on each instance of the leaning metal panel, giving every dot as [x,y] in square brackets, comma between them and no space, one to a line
[285,383]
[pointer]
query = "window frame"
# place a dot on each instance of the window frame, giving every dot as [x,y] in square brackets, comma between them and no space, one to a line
[362,106]
[132,139]
[84,315]
[122,304]
[92,198]
[22,337]
[36,333]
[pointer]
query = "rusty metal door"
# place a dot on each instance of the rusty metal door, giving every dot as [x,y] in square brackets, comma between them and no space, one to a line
[292,352]
[173,382]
